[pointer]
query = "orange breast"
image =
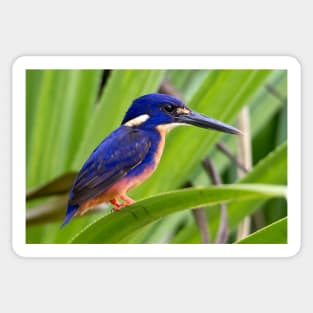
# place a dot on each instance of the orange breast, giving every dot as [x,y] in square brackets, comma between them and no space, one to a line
[126,183]
[149,170]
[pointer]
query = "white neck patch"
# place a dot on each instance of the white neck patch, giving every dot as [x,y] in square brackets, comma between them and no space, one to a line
[137,121]
[170,126]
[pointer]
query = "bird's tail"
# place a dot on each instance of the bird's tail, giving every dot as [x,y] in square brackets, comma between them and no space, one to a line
[70,212]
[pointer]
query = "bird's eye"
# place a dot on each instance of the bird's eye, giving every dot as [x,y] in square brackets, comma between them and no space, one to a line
[169,108]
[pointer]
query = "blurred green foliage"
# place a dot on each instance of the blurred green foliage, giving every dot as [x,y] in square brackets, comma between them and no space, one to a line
[70,111]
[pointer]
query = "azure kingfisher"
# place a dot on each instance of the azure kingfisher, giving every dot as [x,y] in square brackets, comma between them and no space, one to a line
[130,154]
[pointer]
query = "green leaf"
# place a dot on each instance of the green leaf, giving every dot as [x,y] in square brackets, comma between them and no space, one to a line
[80,103]
[34,80]
[60,110]
[187,82]
[114,227]
[67,116]
[271,234]
[271,170]
[263,107]
[37,121]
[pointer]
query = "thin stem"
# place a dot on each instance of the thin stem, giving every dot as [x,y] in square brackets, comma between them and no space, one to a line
[168,88]
[223,230]
[223,148]
[245,158]
[272,90]
[52,210]
[200,218]
[201,221]
[212,171]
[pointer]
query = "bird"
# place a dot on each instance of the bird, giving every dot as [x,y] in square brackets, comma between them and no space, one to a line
[131,153]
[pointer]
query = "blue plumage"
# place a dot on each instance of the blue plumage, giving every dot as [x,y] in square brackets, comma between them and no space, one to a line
[153,104]
[122,151]
[130,153]
[70,212]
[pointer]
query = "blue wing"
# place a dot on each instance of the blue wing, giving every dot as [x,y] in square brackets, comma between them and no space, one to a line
[115,156]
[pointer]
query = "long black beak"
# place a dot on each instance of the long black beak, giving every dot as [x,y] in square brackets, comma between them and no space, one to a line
[197,119]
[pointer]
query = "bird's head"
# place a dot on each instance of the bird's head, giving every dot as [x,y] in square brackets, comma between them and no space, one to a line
[165,112]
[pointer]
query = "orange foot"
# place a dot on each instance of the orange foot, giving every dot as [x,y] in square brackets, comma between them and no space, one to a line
[118,205]
[127,200]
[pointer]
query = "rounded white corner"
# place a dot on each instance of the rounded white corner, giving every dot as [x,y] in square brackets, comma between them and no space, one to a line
[294,250]
[18,250]
[19,62]
[294,62]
